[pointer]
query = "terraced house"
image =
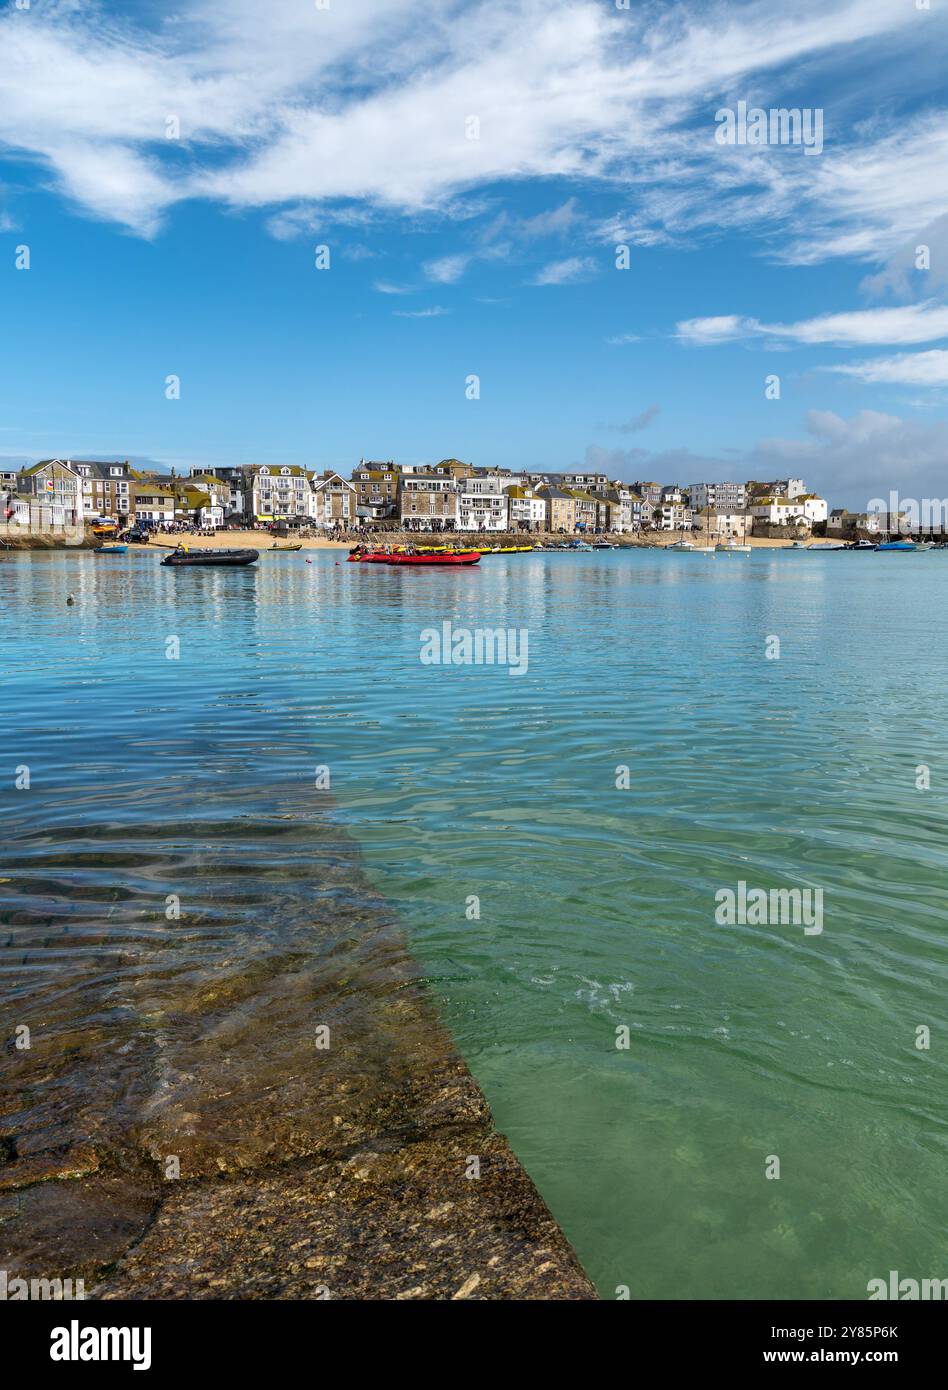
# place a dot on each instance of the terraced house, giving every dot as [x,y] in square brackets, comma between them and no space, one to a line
[482,504]
[153,502]
[560,508]
[334,501]
[584,482]
[428,501]
[106,488]
[527,508]
[279,493]
[376,486]
[54,488]
[233,478]
[591,511]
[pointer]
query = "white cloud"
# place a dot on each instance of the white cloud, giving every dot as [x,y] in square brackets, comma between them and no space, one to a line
[365,104]
[435,312]
[621,339]
[902,369]
[447,269]
[847,461]
[910,323]
[565,272]
[722,329]
[386,287]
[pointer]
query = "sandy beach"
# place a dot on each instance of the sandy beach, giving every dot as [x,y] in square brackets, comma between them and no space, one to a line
[262,540]
[258,540]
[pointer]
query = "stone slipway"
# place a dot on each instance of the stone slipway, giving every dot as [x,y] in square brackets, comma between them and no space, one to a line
[305,1171]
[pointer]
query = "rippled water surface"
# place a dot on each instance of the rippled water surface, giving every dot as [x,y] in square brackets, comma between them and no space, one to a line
[154,779]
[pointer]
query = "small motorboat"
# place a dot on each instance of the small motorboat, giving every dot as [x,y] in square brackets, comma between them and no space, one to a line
[908,547]
[296,545]
[732,548]
[183,556]
[680,545]
[825,547]
[110,548]
[864,545]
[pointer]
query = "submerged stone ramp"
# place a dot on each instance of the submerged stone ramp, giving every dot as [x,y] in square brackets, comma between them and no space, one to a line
[254,1099]
[384,1223]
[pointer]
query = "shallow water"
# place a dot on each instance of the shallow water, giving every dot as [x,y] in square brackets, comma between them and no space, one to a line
[197,778]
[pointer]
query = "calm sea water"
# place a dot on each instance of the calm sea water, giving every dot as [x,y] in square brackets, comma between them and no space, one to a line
[197,777]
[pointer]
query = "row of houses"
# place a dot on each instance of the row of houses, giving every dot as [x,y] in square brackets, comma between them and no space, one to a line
[447,496]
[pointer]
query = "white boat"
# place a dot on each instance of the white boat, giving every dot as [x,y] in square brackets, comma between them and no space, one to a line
[821,549]
[732,548]
[680,545]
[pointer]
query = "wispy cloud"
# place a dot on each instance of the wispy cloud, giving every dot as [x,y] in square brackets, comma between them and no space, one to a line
[639,422]
[910,323]
[848,459]
[447,269]
[621,339]
[386,287]
[435,312]
[367,106]
[565,272]
[902,369]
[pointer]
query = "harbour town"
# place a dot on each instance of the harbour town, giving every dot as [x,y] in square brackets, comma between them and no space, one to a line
[96,501]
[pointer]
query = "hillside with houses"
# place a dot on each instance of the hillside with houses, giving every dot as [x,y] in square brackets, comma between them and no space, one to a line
[449,496]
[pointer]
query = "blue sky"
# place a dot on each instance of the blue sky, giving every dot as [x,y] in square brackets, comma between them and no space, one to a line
[350,127]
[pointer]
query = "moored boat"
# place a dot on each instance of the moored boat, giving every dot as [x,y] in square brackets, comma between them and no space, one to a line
[908,547]
[110,548]
[461,557]
[183,556]
[296,545]
[402,556]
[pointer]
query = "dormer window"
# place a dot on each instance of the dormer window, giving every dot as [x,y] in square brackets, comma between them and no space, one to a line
[264,471]
[285,472]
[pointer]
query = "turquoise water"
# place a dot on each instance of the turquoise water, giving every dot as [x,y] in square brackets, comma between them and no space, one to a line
[597,903]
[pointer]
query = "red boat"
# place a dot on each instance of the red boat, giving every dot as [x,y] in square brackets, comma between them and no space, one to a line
[461,557]
[384,557]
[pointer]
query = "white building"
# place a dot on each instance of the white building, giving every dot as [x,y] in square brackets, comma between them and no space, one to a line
[526,511]
[781,510]
[280,494]
[721,497]
[483,504]
[675,517]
